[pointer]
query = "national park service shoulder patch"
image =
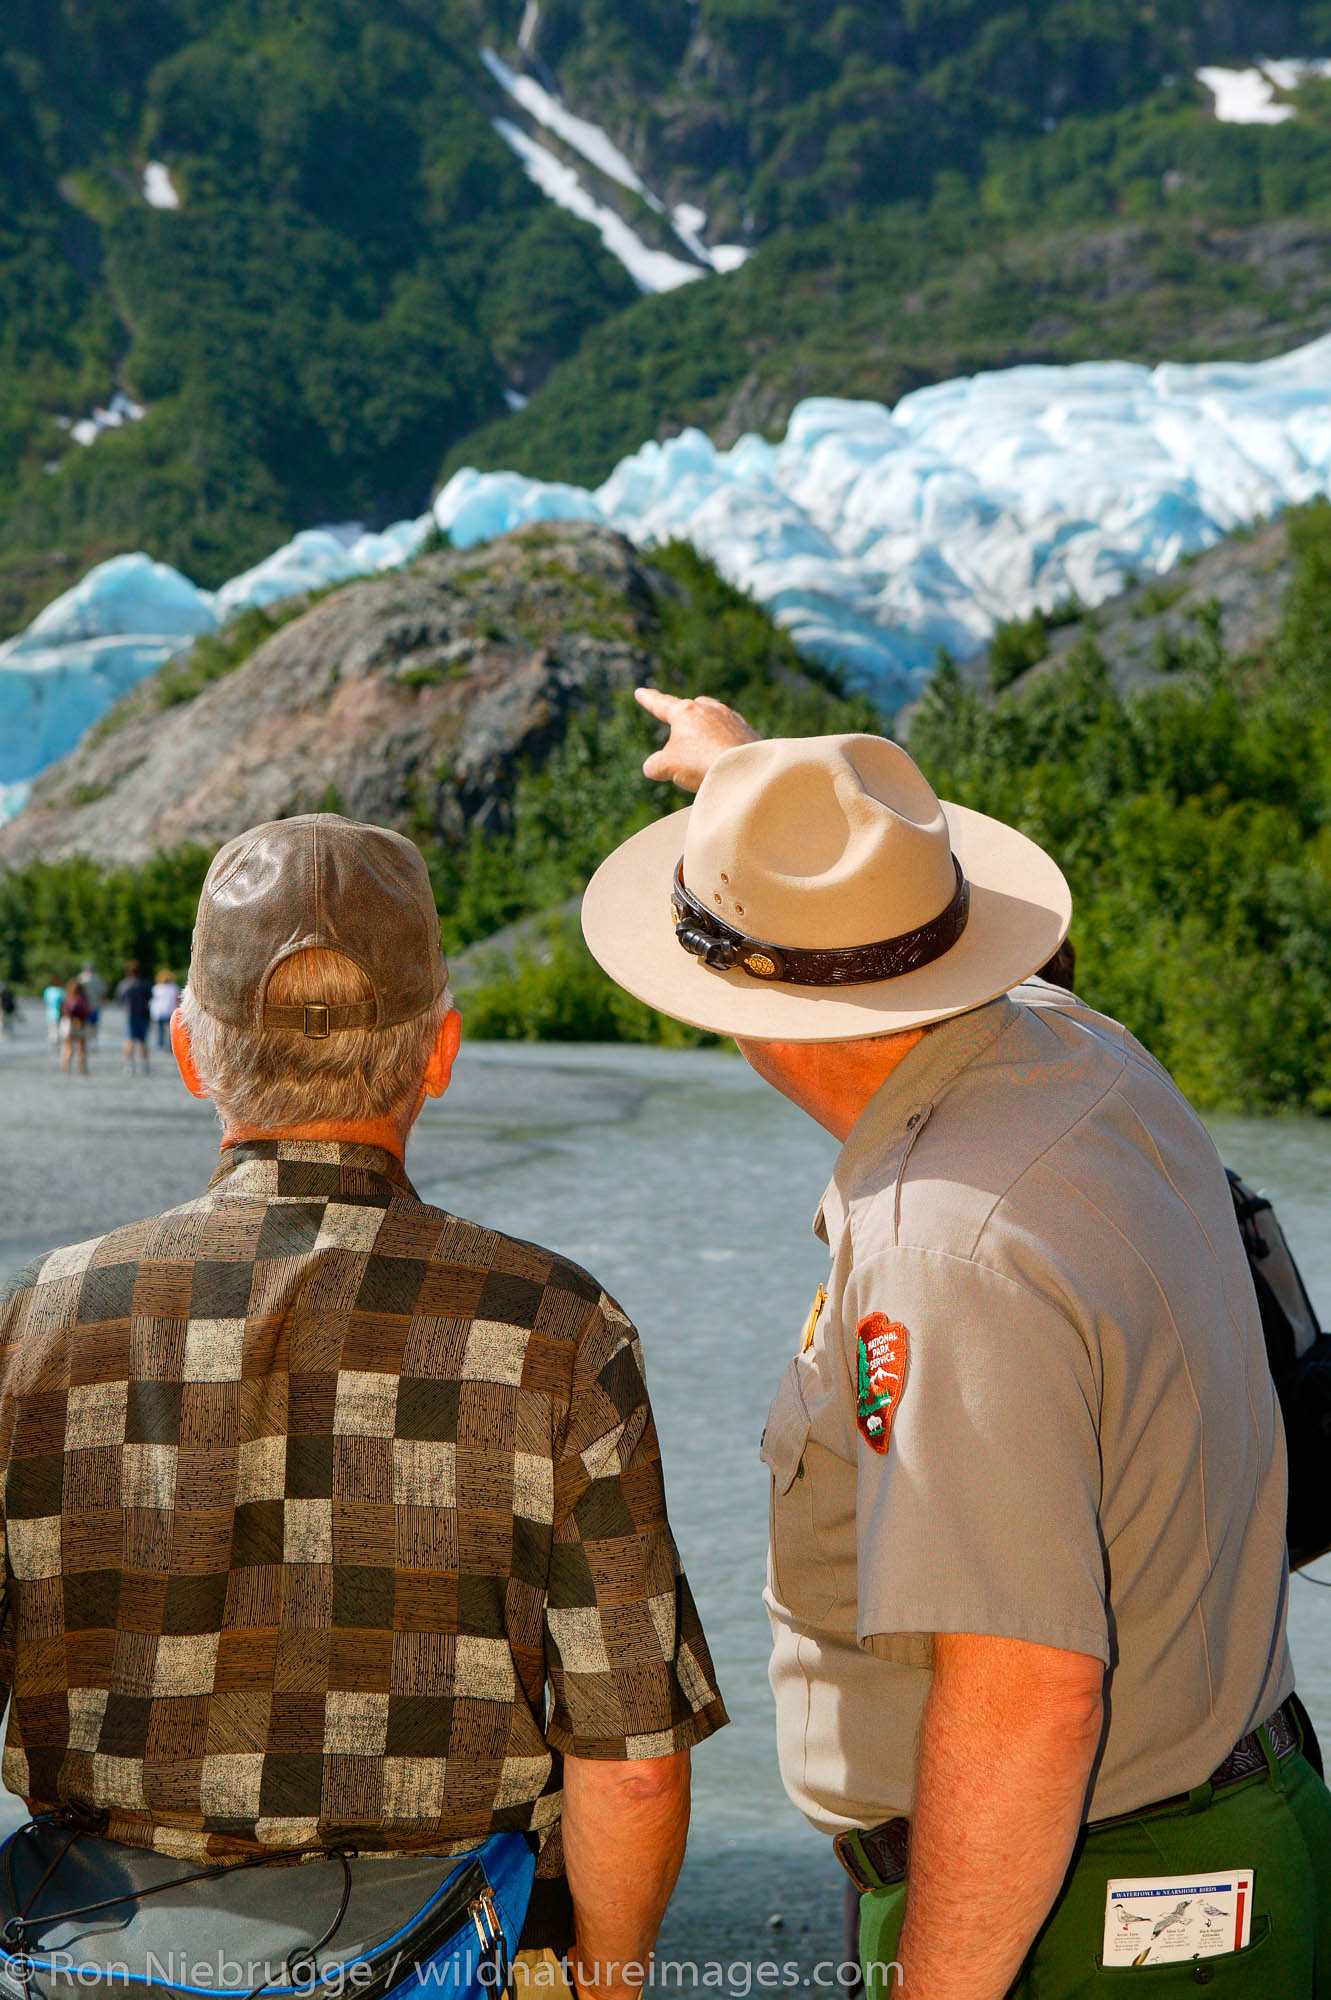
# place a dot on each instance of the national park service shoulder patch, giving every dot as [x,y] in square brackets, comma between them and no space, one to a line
[884,1349]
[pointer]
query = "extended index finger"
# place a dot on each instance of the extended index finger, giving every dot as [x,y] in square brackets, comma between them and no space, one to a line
[665,707]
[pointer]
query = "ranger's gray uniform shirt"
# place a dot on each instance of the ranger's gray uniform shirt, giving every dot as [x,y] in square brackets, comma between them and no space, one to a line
[1085,1450]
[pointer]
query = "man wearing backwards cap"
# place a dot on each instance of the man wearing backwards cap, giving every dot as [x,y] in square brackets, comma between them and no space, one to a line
[315,1490]
[1027,1577]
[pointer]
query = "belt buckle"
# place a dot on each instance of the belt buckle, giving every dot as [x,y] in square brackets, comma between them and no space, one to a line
[316,1021]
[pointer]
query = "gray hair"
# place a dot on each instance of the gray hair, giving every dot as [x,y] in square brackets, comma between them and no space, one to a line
[273,1079]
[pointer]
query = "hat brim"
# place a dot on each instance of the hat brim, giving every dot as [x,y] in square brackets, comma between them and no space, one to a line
[1020,909]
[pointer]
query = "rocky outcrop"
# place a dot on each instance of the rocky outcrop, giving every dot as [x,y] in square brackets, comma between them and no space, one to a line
[411,699]
[1233,594]
[1229,599]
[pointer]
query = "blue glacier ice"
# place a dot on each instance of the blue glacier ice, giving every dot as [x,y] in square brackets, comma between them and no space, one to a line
[875,536]
[315,558]
[81,652]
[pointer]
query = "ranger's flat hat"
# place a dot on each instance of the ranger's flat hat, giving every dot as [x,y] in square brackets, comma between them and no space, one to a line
[317,881]
[817,891]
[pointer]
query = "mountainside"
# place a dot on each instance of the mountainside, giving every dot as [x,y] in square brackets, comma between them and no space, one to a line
[415,700]
[336,268]
[1228,602]
[768,115]
[264,265]
[893,306]
[397,687]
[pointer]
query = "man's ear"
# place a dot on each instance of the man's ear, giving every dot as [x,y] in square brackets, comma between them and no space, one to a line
[439,1069]
[184,1055]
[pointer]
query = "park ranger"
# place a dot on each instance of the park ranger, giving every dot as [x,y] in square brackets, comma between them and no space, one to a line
[1027,1579]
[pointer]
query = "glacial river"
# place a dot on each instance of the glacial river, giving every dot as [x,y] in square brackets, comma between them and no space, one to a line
[688,1188]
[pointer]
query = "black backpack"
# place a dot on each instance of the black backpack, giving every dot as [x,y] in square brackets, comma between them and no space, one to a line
[1300,1357]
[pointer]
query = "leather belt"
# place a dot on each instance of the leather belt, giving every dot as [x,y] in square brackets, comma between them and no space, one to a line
[885,1848]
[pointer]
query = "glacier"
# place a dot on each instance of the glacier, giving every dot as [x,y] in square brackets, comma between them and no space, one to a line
[874,536]
[123,620]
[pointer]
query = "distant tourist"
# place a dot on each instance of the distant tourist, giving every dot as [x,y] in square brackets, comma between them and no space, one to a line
[53,999]
[94,992]
[74,1029]
[8,1008]
[162,1004]
[135,995]
[336,1523]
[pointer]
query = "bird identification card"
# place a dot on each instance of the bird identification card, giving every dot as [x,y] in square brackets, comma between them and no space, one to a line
[1158,1919]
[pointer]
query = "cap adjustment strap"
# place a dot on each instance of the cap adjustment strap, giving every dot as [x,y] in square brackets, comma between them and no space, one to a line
[721,947]
[319,1021]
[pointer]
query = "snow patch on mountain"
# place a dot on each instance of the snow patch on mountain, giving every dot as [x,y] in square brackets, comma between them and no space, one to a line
[874,536]
[157,187]
[653,270]
[1248,96]
[689,223]
[595,146]
[121,409]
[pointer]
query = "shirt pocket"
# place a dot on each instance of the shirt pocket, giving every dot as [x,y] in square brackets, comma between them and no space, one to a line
[787,1433]
[799,1576]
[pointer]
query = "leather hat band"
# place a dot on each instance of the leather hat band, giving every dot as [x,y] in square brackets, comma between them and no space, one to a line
[725,949]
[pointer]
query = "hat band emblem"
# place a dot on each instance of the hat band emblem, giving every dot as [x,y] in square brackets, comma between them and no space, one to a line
[722,948]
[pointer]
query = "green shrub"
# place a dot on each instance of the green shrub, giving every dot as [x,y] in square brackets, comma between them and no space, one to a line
[1018,643]
[55,915]
[1192,823]
[560,994]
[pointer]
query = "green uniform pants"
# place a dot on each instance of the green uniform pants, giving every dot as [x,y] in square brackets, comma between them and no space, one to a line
[1278,1823]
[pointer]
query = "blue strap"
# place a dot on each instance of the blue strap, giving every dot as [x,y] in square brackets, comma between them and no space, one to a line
[473,1961]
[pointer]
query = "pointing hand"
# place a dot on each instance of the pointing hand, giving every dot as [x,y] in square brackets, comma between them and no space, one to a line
[700,729]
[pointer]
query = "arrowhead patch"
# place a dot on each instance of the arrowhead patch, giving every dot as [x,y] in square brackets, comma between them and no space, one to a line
[884,1349]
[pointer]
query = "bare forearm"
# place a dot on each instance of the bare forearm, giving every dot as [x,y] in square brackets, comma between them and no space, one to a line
[1006,1751]
[624,1831]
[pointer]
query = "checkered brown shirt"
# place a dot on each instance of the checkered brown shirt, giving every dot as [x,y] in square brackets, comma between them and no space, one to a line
[311,1492]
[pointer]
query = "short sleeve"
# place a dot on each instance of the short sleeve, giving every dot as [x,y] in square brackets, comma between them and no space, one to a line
[982,1512]
[629,1670]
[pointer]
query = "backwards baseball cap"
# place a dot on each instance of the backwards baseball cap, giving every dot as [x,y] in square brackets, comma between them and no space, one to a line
[317,882]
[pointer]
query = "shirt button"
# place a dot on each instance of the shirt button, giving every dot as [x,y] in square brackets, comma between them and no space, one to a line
[912,1121]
